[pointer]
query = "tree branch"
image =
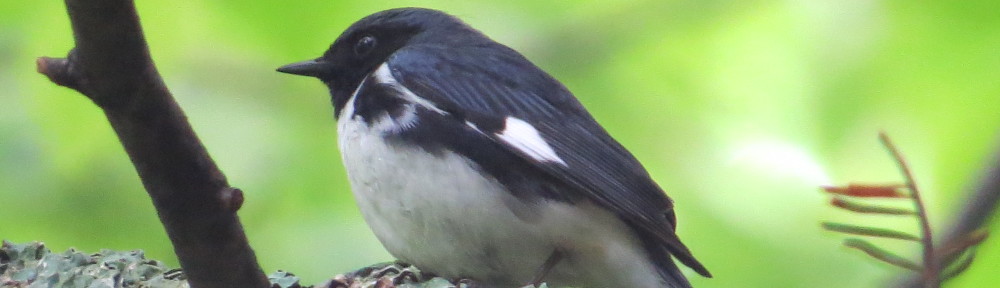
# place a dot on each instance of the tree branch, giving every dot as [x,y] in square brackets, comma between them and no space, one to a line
[111,66]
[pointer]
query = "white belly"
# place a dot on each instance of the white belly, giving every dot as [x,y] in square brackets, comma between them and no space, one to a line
[437,212]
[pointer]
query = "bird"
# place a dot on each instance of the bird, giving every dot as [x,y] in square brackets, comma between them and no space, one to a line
[468,161]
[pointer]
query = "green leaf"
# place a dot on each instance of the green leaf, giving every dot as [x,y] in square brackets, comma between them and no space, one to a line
[882,254]
[859,207]
[960,266]
[869,231]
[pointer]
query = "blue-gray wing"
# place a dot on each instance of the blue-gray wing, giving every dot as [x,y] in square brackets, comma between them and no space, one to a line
[487,85]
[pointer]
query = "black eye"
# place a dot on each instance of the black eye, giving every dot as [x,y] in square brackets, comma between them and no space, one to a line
[365,45]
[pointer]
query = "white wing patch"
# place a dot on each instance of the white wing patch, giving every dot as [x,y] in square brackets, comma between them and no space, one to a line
[384,75]
[517,133]
[524,137]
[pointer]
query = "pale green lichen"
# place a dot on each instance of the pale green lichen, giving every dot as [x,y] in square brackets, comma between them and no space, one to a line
[395,274]
[391,274]
[32,265]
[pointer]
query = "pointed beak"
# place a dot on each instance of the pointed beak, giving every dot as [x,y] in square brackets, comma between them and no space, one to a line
[312,68]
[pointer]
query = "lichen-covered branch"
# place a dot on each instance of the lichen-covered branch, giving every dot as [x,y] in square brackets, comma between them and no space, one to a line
[33,265]
[111,65]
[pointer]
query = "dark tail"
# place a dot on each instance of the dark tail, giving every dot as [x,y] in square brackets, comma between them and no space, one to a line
[665,265]
[662,252]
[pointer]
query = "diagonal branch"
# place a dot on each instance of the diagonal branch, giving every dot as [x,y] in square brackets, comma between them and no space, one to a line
[982,204]
[979,209]
[111,66]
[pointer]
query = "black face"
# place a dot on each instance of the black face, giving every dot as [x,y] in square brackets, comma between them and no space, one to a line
[370,41]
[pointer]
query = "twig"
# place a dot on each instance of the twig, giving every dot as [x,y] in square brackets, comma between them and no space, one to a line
[111,65]
[930,271]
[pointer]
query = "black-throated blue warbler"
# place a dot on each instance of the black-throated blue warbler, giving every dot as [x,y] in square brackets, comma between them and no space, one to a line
[469,161]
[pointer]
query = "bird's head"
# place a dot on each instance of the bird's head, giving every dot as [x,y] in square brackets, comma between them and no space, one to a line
[369,42]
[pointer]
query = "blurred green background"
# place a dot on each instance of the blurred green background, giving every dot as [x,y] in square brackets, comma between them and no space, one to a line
[738,108]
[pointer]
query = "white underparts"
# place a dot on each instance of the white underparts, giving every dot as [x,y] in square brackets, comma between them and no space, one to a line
[525,138]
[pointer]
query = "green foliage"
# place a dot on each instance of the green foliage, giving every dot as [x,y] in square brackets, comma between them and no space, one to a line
[869,231]
[738,108]
[934,259]
[881,254]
